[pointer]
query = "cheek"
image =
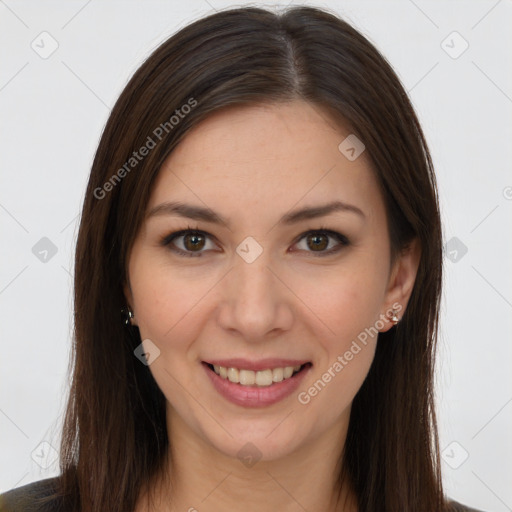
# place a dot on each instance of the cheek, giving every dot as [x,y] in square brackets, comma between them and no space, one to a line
[351,315]
[348,304]
[346,349]
[345,299]
[160,299]
[169,301]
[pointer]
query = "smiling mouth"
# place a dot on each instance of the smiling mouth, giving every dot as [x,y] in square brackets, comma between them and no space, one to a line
[261,378]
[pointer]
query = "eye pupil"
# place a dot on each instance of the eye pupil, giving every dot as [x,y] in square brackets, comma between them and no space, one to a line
[195,239]
[317,243]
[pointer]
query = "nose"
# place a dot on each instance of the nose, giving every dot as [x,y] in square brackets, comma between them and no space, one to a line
[256,303]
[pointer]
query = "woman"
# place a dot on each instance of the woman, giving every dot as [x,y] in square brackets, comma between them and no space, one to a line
[263,209]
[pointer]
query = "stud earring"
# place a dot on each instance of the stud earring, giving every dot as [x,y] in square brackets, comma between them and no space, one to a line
[128,315]
[394,316]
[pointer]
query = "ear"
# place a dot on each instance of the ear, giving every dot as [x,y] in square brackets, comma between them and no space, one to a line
[128,297]
[401,282]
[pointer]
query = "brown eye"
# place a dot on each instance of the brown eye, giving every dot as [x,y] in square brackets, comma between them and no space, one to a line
[193,241]
[188,242]
[319,242]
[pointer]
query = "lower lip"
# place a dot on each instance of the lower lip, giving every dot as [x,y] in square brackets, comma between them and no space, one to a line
[255,396]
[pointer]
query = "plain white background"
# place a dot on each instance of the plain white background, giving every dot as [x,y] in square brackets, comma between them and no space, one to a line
[53,110]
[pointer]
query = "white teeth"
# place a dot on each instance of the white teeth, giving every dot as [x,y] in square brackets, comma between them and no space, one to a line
[278,374]
[233,375]
[288,371]
[246,377]
[262,378]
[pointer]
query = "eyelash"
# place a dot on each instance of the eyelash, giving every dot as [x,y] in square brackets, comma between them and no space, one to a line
[342,239]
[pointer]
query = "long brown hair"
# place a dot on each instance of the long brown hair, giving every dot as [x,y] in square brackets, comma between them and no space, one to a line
[114,437]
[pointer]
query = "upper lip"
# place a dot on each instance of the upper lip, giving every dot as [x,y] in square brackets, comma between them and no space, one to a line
[262,364]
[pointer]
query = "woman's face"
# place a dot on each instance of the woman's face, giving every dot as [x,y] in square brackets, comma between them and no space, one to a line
[264,288]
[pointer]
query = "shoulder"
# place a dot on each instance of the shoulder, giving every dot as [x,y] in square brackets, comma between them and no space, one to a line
[455,506]
[41,496]
[35,497]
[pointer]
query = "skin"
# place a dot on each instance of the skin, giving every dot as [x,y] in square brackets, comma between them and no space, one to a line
[253,164]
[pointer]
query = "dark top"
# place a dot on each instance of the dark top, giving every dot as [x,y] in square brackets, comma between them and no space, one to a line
[31,498]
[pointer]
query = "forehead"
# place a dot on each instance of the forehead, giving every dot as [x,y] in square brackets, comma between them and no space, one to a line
[267,156]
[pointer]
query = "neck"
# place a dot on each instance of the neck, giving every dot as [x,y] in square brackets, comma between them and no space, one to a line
[200,478]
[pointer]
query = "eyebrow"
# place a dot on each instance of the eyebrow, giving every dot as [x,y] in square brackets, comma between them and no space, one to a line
[208,215]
